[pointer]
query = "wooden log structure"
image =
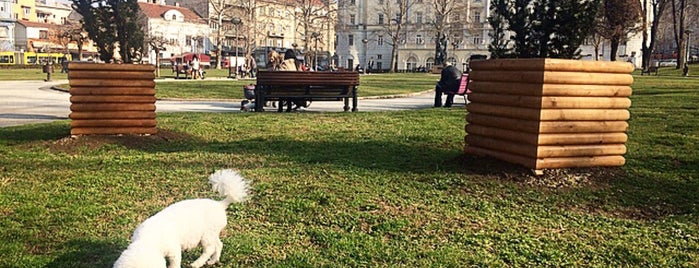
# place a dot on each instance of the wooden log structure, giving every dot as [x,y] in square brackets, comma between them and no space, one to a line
[108,99]
[549,113]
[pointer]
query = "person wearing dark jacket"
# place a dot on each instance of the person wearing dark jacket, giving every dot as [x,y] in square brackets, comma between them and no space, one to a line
[448,84]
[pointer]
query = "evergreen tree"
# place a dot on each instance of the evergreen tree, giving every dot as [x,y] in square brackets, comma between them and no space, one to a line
[111,24]
[543,28]
[498,46]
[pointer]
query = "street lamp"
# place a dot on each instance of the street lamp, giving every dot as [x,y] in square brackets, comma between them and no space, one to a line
[236,22]
[315,36]
[689,41]
[685,69]
[365,41]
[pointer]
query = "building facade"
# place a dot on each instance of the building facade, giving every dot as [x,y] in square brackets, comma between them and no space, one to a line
[364,36]
[179,30]
[259,26]
[7,26]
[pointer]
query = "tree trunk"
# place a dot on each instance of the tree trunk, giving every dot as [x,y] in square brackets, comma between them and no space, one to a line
[157,62]
[614,49]
[645,52]
[80,51]
[394,56]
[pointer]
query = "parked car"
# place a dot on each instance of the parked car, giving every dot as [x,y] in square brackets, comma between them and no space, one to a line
[668,63]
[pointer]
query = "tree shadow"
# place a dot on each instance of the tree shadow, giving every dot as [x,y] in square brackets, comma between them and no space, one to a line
[35,132]
[87,253]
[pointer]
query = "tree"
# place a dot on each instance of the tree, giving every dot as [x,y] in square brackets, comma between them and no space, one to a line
[221,12]
[541,28]
[312,17]
[657,8]
[443,25]
[620,19]
[498,46]
[111,24]
[679,11]
[73,32]
[157,42]
[395,29]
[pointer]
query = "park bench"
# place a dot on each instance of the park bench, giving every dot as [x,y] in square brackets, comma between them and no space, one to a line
[651,69]
[288,87]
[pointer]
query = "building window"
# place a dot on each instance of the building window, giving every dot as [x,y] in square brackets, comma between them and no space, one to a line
[353,2]
[351,40]
[419,39]
[418,17]
[27,11]
[379,40]
[477,40]
[477,16]
[379,66]
[397,18]
[380,19]
[188,40]
[43,34]
[353,19]
[379,56]
[380,2]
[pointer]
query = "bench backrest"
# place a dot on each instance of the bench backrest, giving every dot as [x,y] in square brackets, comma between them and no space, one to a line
[463,85]
[287,78]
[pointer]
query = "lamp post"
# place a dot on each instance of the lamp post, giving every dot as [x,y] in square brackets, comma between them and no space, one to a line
[689,41]
[685,70]
[365,41]
[236,22]
[315,36]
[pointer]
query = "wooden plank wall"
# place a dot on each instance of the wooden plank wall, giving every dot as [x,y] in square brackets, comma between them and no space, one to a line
[111,99]
[549,113]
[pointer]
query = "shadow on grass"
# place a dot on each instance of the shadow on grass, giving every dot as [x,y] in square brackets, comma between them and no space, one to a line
[88,254]
[621,192]
[35,132]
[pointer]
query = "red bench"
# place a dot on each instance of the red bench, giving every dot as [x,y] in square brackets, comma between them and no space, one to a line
[463,87]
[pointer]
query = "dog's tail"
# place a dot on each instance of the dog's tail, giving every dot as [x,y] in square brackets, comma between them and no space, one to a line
[230,184]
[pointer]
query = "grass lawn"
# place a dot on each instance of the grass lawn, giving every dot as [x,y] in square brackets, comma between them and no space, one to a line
[359,190]
[370,85]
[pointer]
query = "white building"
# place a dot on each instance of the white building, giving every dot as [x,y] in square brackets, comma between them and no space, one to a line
[7,26]
[183,28]
[362,37]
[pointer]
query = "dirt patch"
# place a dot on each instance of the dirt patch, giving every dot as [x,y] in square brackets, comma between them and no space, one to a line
[552,178]
[77,144]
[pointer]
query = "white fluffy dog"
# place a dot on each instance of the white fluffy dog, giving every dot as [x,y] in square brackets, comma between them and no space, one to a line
[183,226]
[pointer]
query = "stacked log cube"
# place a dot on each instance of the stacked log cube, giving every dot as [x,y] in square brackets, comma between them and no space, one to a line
[109,99]
[549,113]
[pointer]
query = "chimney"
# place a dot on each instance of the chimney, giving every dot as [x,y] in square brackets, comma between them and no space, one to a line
[177,4]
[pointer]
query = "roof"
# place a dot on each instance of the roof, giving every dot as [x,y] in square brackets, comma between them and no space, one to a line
[34,24]
[155,11]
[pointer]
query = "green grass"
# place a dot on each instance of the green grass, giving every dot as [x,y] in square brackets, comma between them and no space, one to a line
[356,190]
[35,73]
[370,85]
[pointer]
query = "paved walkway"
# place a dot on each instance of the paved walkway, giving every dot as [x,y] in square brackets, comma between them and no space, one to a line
[25,102]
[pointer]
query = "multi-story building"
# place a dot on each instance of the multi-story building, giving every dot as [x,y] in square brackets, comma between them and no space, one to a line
[364,36]
[24,10]
[7,26]
[179,30]
[52,11]
[258,26]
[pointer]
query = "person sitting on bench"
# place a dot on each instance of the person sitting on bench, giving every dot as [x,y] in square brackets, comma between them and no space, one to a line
[448,84]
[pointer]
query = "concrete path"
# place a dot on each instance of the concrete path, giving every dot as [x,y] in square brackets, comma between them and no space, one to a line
[26,102]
